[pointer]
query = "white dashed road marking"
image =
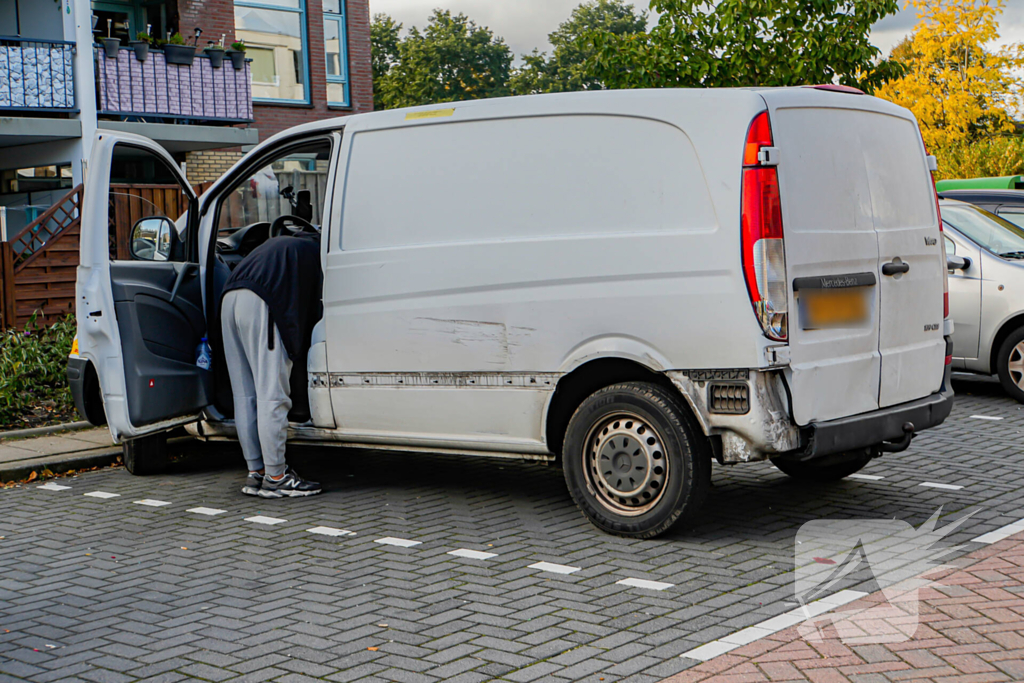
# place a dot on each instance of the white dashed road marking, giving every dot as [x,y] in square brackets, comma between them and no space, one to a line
[102,494]
[644,583]
[149,502]
[985,417]
[472,554]
[401,542]
[944,487]
[1001,533]
[773,625]
[207,511]
[260,519]
[865,477]
[53,487]
[554,568]
[330,531]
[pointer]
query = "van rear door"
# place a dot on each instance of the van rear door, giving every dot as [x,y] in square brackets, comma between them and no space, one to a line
[860,221]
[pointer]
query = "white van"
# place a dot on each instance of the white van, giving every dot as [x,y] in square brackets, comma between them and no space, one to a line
[627,283]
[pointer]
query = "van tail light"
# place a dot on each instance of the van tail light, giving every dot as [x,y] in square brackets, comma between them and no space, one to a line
[763,242]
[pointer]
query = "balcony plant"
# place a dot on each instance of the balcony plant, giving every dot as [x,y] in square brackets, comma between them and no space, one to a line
[215,53]
[177,52]
[111,45]
[237,54]
[141,45]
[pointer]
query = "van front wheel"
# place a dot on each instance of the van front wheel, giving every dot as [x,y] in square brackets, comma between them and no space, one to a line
[146,455]
[633,460]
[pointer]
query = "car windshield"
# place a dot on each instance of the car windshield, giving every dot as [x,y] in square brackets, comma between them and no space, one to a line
[990,231]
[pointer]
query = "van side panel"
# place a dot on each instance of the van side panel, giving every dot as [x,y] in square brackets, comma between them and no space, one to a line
[497,247]
[526,178]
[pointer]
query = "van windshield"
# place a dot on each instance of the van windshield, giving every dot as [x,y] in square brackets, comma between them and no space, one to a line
[988,230]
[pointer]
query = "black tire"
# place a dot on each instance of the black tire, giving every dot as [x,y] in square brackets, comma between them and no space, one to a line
[1010,364]
[146,455]
[644,430]
[827,468]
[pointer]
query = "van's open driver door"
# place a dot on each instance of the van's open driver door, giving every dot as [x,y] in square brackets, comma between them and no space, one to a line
[139,299]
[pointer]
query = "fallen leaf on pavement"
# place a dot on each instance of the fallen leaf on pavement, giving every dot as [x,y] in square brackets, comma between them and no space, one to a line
[372,649]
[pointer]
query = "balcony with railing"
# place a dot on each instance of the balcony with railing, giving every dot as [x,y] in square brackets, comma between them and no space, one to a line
[154,90]
[36,75]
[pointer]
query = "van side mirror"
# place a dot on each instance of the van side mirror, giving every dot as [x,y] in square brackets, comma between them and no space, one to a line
[151,238]
[957,262]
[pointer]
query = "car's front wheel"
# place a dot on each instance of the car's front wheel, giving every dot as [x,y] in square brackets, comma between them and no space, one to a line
[1010,364]
[146,455]
[633,460]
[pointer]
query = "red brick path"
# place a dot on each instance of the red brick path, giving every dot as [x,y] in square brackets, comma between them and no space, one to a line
[971,629]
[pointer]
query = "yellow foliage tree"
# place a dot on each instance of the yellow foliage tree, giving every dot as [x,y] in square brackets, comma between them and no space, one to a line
[958,89]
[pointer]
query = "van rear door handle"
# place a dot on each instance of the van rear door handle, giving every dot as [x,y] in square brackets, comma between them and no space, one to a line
[895,268]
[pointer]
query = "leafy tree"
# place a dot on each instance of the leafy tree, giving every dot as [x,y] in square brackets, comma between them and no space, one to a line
[568,67]
[452,59]
[728,43]
[958,90]
[384,41]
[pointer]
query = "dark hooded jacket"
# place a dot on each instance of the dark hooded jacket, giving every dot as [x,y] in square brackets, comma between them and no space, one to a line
[285,272]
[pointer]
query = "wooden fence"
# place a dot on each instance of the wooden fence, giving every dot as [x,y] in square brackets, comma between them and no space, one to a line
[38,266]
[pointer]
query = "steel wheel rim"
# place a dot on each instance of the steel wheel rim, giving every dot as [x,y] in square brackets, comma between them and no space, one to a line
[1015,366]
[625,465]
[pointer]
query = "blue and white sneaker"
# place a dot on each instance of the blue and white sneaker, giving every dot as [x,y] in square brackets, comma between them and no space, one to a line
[291,485]
[252,484]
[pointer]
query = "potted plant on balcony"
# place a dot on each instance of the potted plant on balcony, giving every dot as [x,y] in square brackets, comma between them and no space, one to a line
[141,45]
[237,54]
[177,52]
[215,53]
[110,45]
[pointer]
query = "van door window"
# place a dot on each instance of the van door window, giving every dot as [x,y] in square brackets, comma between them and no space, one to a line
[147,208]
[292,185]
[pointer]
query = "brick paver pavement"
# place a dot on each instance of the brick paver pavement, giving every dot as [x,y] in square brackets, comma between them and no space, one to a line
[970,630]
[107,589]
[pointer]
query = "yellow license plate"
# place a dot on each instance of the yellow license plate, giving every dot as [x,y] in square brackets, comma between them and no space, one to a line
[834,308]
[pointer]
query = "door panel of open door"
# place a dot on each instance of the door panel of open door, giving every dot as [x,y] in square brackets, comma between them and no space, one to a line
[139,303]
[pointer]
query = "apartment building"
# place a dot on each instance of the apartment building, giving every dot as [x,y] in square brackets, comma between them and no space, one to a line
[69,68]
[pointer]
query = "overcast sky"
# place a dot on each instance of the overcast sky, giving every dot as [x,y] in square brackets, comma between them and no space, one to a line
[525,24]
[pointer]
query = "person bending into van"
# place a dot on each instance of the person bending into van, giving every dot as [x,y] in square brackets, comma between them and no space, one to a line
[269,307]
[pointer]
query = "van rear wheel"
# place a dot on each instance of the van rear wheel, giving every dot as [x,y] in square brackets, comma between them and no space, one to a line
[1010,364]
[146,455]
[634,462]
[828,468]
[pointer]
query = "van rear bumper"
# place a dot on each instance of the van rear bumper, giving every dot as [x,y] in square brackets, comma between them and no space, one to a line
[871,429]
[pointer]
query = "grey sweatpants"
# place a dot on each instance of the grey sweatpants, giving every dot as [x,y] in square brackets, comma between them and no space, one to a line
[259,380]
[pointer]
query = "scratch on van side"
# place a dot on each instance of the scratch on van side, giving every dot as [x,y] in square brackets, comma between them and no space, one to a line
[495,341]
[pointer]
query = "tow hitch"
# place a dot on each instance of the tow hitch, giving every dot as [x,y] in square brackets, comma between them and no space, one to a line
[901,445]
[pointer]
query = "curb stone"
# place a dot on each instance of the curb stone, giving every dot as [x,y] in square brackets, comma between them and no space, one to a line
[42,431]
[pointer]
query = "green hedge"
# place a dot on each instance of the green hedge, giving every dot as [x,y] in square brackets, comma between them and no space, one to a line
[33,364]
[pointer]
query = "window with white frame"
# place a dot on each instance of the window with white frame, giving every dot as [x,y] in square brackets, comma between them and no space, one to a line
[274,33]
[336,52]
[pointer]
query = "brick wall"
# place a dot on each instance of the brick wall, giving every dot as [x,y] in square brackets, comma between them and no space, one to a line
[217,16]
[207,166]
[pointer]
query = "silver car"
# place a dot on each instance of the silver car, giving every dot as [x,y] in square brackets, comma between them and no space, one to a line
[985,256]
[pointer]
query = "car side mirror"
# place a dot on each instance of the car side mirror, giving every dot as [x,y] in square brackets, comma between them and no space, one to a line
[152,238]
[957,262]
